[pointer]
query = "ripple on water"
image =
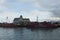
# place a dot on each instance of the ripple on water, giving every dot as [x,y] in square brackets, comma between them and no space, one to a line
[28,34]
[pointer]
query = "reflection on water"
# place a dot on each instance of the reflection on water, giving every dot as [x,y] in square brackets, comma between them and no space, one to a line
[29,34]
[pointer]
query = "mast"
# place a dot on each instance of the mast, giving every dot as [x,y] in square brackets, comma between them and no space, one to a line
[37,18]
[6,19]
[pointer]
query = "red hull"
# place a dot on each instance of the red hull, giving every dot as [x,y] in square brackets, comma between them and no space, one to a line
[8,25]
[41,25]
[29,25]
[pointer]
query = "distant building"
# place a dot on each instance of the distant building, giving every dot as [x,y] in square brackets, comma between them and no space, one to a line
[21,20]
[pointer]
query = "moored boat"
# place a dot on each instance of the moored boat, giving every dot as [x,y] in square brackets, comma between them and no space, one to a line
[41,25]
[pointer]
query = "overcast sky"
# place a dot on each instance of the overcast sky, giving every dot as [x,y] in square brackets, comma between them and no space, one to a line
[44,9]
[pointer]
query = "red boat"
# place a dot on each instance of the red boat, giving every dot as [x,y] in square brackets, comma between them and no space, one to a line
[8,25]
[29,25]
[41,25]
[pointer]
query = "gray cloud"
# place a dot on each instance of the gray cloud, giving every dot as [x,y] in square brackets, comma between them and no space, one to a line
[52,6]
[47,5]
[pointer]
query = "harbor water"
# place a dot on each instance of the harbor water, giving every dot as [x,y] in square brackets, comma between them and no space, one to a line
[29,34]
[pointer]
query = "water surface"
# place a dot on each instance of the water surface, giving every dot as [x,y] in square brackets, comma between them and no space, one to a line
[29,34]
